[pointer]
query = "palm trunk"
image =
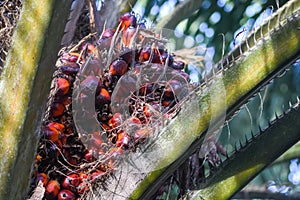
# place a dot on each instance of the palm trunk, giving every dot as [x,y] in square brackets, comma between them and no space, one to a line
[25,84]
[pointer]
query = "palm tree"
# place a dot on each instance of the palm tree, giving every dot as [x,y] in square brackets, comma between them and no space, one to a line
[244,71]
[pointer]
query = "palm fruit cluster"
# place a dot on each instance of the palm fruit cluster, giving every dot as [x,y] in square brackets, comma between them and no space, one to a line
[97,112]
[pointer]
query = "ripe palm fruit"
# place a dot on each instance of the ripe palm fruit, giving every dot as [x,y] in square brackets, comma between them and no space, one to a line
[70,69]
[105,144]
[52,189]
[66,195]
[172,88]
[42,177]
[90,48]
[150,54]
[144,54]
[57,109]
[62,86]
[53,131]
[127,55]
[118,67]
[103,97]
[71,181]
[127,19]
[69,57]
[58,126]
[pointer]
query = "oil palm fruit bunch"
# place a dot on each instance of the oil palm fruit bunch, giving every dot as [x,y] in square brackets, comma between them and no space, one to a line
[108,94]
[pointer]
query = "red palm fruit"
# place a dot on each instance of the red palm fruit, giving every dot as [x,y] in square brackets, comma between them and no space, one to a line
[166,103]
[66,100]
[55,125]
[52,134]
[68,57]
[156,56]
[147,111]
[89,84]
[103,97]
[66,195]
[147,88]
[105,126]
[75,54]
[62,86]
[38,158]
[178,65]
[127,19]
[89,47]
[116,120]
[43,178]
[147,52]
[144,54]
[52,189]
[71,181]
[123,139]
[128,35]
[118,67]
[168,93]
[70,69]
[57,109]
